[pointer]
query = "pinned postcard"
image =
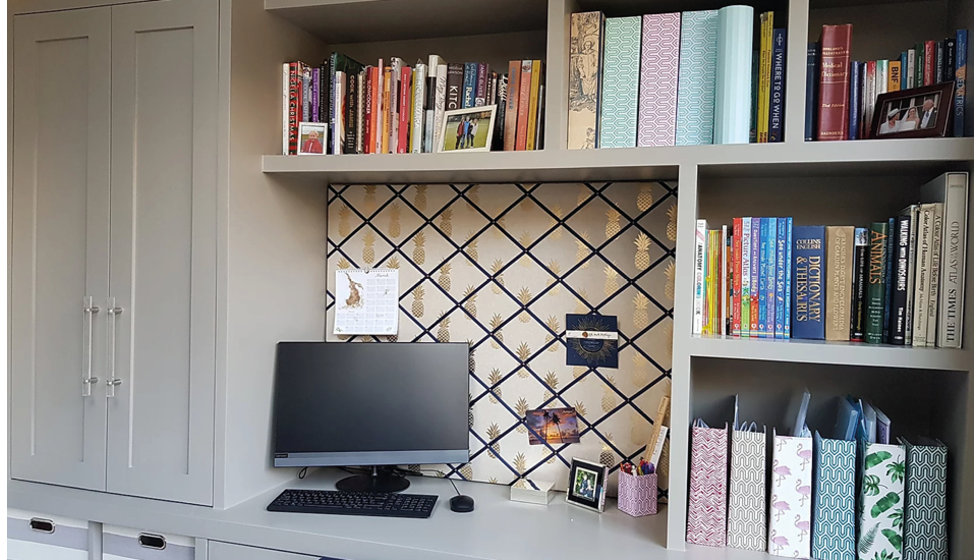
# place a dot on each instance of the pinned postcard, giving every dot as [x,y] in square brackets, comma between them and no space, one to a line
[367,302]
[552,425]
[592,340]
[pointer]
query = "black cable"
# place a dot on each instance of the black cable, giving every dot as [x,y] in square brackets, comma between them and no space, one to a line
[440,473]
[302,473]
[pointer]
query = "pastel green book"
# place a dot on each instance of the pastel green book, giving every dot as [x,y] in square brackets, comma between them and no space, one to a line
[620,83]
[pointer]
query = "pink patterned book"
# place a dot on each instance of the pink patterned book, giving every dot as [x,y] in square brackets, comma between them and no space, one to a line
[706,511]
[659,56]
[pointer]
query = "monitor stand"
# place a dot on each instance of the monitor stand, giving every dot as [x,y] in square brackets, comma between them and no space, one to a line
[380,479]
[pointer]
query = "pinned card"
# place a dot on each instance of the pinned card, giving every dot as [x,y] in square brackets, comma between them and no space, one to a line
[592,340]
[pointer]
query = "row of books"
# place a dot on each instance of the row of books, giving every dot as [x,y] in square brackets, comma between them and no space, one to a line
[859,493]
[678,78]
[841,93]
[394,107]
[897,282]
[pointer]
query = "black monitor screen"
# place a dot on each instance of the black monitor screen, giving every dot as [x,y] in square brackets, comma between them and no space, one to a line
[371,403]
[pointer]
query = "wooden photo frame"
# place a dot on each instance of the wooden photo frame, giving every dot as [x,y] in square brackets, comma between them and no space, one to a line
[914,113]
[587,484]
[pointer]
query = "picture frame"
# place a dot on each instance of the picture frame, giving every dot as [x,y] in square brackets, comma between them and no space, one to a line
[312,139]
[587,484]
[458,136]
[922,112]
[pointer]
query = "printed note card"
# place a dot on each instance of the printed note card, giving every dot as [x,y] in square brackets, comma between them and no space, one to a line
[367,302]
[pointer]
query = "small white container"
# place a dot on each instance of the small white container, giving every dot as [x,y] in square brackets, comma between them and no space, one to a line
[531,491]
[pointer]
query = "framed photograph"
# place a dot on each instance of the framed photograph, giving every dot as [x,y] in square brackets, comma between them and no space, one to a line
[552,425]
[587,484]
[468,130]
[913,113]
[312,139]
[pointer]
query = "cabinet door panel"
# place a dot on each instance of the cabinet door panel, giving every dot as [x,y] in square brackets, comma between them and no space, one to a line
[59,246]
[164,65]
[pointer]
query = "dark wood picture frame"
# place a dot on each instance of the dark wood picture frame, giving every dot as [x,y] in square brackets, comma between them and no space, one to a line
[899,103]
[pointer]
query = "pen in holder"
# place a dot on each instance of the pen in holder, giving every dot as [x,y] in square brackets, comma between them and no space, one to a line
[637,493]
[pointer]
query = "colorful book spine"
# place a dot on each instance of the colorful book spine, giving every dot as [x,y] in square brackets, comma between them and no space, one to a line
[584,71]
[470,70]
[934,269]
[404,109]
[733,87]
[736,273]
[771,279]
[765,76]
[777,93]
[502,93]
[419,82]
[952,189]
[513,97]
[755,96]
[696,78]
[929,63]
[920,64]
[903,61]
[788,308]
[912,211]
[940,62]
[745,298]
[764,243]
[620,82]
[698,319]
[294,110]
[315,95]
[812,81]
[539,120]
[523,105]
[480,93]
[711,280]
[870,88]
[780,318]
[657,102]
[894,75]
[366,113]
[959,91]
[877,261]
[386,111]
[859,282]
[533,104]
[454,86]
[840,262]
[396,76]
[889,279]
[754,279]
[900,267]
[307,79]
[809,282]
[854,103]
[835,48]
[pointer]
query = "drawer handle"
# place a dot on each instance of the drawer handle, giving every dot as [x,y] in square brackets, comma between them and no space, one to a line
[42,525]
[149,540]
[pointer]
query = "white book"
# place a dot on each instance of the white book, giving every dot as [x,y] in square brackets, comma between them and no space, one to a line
[699,256]
[913,213]
[379,117]
[723,299]
[935,257]
[431,90]
[396,75]
[285,108]
[923,256]
[438,134]
[869,98]
[951,189]
[339,96]
[418,108]
[910,75]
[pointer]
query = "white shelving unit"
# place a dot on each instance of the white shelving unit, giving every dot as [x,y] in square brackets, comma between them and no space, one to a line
[816,182]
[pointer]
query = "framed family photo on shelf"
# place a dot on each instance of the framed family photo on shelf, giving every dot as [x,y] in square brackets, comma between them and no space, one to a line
[468,130]
[914,113]
[312,139]
[587,484]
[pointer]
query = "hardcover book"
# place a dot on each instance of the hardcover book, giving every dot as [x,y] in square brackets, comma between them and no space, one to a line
[404,109]
[396,96]
[771,279]
[919,65]
[923,258]
[859,277]
[934,265]
[736,278]
[925,500]
[854,120]
[949,68]
[432,100]
[959,93]
[951,190]
[912,212]
[439,107]
[584,70]
[696,78]
[889,282]
[812,81]
[700,244]
[470,70]
[894,75]
[533,103]
[834,76]
[765,77]
[746,282]
[620,83]
[809,283]
[523,106]
[764,259]
[454,86]
[480,93]
[900,281]
[754,279]
[874,314]
[788,308]
[781,247]
[777,91]
[659,55]
[513,97]
[419,79]
[840,260]
[386,108]
[733,87]
[929,64]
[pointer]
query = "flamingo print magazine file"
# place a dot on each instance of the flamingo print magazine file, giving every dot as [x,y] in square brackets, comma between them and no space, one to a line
[367,301]
[709,474]
[789,504]
[747,489]
[833,498]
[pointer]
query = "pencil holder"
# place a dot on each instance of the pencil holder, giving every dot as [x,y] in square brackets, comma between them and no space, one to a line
[637,494]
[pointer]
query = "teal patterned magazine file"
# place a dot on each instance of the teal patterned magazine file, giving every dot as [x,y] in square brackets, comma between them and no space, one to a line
[925,501]
[733,85]
[620,83]
[882,505]
[833,499]
[696,78]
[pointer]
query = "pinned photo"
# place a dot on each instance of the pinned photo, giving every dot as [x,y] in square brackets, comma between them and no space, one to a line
[552,425]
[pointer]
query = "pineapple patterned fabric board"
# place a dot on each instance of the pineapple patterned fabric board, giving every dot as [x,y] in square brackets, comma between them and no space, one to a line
[499,265]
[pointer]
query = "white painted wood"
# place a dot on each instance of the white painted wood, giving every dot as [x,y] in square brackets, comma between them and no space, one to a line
[224,551]
[164,62]
[59,245]
[35,6]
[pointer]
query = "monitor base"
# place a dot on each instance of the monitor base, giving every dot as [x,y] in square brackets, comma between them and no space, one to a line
[380,479]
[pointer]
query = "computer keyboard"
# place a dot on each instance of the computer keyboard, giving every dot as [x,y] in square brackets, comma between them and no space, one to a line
[354,503]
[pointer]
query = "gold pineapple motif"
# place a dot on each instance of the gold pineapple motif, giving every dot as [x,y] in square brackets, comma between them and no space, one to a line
[343,263]
[493,432]
[498,337]
[612,223]
[470,298]
[368,252]
[584,194]
[395,221]
[579,371]
[525,297]
[443,334]
[526,241]
[644,198]
[583,250]
[642,257]
[471,247]
[370,201]
[498,232]
[393,262]
[670,274]
[611,280]
[519,463]
[446,222]
[523,352]
[492,380]
[418,255]
[580,307]
[467,471]
[472,361]
[521,409]
[343,226]
[606,456]
[553,326]
[420,201]
[555,268]
[418,307]
[640,370]
[552,381]
[639,431]
[672,222]
[640,318]
[580,409]
[444,282]
[608,400]
[560,214]
[474,195]
[494,271]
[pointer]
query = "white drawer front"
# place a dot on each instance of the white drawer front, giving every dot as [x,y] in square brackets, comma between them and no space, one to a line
[36,536]
[121,543]
[225,551]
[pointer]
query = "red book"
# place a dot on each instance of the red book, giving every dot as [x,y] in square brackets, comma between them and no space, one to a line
[404,109]
[929,64]
[835,67]
[513,89]
[371,97]
[736,275]
[523,105]
[295,104]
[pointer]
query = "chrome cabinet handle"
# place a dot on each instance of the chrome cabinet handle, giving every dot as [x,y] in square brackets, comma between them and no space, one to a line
[112,382]
[89,310]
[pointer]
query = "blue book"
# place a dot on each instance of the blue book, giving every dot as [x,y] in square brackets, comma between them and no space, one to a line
[889,279]
[959,93]
[764,277]
[620,82]
[780,318]
[809,266]
[903,80]
[854,110]
[771,279]
[778,90]
[733,87]
[788,310]
[696,78]
[754,282]
[469,84]
[812,74]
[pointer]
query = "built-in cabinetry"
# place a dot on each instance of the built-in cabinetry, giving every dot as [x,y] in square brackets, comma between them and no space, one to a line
[224,551]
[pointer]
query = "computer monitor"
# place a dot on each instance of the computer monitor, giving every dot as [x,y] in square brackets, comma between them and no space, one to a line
[371,404]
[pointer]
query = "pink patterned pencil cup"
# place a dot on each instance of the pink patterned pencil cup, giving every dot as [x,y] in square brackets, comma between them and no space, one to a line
[637,493]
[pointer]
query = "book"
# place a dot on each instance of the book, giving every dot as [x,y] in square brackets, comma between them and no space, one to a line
[419,82]
[840,263]
[404,108]
[900,264]
[904,76]
[325,96]
[712,281]
[291,138]
[809,283]
[923,256]
[480,93]
[949,68]
[315,94]
[746,280]
[951,189]
[657,101]
[396,95]
[754,279]
[920,64]
[959,91]
[696,78]
[940,62]
[894,75]
[697,316]
[764,258]
[889,280]
[523,105]
[431,101]
[733,70]
[533,104]
[724,257]
[584,71]
[386,108]
[513,96]
[854,102]
[737,277]
[777,92]
[788,308]
[765,76]
[539,120]
[770,331]
[910,75]
[470,70]
[620,82]
[370,113]
[870,89]
[929,63]
[360,112]
[859,275]
[780,308]
[454,86]
[755,96]
[935,259]
[877,262]
[498,123]
[439,107]
[812,80]
[835,49]
[912,211]
[306,76]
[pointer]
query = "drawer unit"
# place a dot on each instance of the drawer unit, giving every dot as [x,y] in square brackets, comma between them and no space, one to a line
[35,536]
[121,543]
[224,551]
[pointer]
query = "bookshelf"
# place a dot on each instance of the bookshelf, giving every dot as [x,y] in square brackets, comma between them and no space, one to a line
[816,182]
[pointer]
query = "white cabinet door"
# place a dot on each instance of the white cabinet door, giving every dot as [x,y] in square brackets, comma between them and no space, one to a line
[163,269]
[224,551]
[59,212]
